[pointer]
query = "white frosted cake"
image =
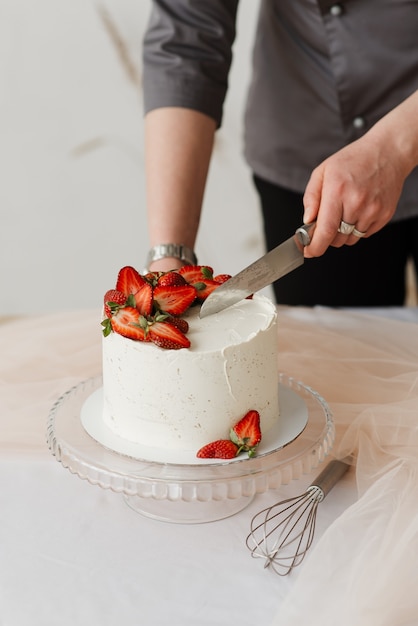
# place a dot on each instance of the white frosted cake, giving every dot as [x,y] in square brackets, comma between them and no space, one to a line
[181,399]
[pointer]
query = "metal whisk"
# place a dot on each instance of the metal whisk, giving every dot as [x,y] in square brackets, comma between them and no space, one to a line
[283,533]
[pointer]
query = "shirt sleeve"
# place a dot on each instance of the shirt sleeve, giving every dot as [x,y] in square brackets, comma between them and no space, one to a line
[187,54]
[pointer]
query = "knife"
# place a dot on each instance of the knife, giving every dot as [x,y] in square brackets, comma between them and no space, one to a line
[277,263]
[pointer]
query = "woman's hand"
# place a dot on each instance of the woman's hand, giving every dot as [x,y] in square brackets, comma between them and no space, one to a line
[361,183]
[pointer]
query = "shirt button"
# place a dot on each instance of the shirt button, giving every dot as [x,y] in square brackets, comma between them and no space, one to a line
[359,122]
[336,10]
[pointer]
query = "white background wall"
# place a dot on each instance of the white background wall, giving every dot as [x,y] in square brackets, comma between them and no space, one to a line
[72,197]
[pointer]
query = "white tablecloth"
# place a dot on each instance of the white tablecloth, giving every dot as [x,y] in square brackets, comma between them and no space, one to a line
[72,553]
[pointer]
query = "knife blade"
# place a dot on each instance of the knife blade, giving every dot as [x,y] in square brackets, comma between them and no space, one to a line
[283,259]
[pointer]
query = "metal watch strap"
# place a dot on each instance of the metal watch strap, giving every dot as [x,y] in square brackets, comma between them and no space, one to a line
[173,250]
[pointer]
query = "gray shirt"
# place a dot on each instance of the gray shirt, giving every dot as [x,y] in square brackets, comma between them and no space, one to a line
[323,74]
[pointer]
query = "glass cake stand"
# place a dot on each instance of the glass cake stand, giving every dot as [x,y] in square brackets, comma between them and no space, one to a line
[184,492]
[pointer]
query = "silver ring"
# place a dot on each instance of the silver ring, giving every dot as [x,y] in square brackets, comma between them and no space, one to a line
[358,233]
[346,229]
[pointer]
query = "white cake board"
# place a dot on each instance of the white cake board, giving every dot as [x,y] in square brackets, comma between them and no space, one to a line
[292,421]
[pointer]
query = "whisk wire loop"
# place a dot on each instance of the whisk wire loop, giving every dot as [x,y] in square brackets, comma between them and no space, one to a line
[294,526]
[283,533]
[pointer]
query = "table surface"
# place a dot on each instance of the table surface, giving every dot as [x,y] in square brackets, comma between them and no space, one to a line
[73,553]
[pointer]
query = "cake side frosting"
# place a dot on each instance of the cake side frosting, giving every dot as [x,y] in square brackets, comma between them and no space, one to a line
[182,399]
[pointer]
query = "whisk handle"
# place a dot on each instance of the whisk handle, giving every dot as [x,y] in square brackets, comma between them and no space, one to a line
[330,475]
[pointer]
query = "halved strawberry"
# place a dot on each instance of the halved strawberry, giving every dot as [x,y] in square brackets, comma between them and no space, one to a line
[144,299]
[205,287]
[246,433]
[180,323]
[152,277]
[127,322]
[195,273]
[113,300]
[220,449]
[222,278]
[129,280]
[167,336]
[171,279]
[174,300]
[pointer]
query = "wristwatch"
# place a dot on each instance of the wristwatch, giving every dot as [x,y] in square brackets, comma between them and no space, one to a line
[174,250]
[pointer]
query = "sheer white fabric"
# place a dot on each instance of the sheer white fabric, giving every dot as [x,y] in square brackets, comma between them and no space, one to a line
[364,569]
[42,357]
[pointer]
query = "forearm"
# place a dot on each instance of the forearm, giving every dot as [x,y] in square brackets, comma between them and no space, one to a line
[398,130]
[178,147]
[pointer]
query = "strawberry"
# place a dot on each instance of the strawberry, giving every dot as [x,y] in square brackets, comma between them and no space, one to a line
[152,277]
[220,449]
[174,300]
[221,278]
[196,273]
[129,323]
[201,277]
[129,280]
[143,299]
[180,323]
[205,287]
[246,433]
[171,279]
[165,335]
[113,300]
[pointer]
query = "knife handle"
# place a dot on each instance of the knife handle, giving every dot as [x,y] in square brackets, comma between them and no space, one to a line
[305,232]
